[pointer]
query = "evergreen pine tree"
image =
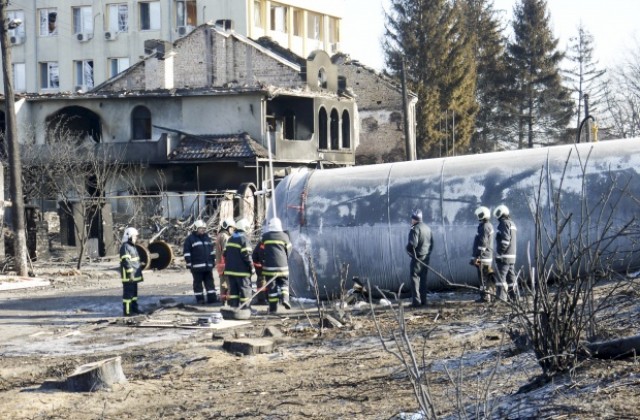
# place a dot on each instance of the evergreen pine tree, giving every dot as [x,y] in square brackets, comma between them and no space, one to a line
[535,101]
[488,47]
[430,37]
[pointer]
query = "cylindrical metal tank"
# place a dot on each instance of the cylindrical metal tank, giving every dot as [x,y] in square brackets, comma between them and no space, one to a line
[355,221]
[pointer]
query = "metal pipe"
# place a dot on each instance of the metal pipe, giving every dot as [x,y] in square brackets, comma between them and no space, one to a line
[359,217]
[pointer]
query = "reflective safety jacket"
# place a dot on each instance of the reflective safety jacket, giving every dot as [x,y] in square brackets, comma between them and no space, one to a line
[506,241]
[130,267]
[483,242]
[276,254]
[198,252]
[237,255]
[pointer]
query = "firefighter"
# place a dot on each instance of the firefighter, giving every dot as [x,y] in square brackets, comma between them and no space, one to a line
[258,261]
[482,254]
[277,247]
[419,248]
[200,259]
[131,272]
[505,254]
[238,265]
[226,230]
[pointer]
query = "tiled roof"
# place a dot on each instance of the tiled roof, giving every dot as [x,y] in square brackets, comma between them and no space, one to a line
[218,147]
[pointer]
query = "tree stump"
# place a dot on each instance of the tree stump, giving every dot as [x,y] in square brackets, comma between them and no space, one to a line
[95,376]
[248,346]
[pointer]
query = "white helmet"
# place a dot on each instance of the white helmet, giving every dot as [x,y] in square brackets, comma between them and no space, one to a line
[483,213]
[228,223]
[129,233]
[275,225]
[243,225]
[199,224]
[500,211]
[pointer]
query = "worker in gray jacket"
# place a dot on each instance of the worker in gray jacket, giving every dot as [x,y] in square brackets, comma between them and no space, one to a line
[482,254]
[419,248]
[506,254]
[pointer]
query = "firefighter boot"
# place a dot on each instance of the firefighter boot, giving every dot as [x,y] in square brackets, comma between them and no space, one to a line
[134,308]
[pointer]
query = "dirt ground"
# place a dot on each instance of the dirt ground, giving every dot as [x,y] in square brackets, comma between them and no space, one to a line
[175,372]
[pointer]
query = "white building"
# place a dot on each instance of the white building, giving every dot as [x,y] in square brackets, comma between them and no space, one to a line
[73,45]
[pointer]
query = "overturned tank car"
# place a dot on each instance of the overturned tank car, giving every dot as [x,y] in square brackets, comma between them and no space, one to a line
[355,221]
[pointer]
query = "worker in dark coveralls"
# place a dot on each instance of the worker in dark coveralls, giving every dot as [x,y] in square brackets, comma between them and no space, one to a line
[506,254]
[258,261]
[482,254]
[419,248]
[131,272]
[238,265]
[199,256]
[277,247]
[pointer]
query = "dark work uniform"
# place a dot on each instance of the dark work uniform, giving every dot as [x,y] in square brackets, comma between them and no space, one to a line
[276,264]
[131,274]
[419,247]
[482,258]
[238,268]
[200,259]
[258,261]
[506,258]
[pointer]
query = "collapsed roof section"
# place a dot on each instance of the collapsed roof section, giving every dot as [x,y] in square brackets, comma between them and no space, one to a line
[217,147]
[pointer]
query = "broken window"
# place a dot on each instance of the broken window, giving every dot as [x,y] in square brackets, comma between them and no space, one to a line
[322,78]
[48,24]
[82,20]
[84,75]
[323,143]
[150,16]
[278,18]
[49,75]
[335,130]
[186,13]
[117,65]
[314,26]
[19,77]
[141,123]
[16,15]
[346,130]
[118,17]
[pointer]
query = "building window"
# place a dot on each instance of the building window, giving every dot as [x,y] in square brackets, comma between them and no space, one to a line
[335,130]
[141,123]
[118,17]
[298,22]
[150,16]
[82,20]
[49,75]
[323,143]
[346,130]
[84,74]
[118,65]
[186,13]
[322,79]
[257,13]
[278,18]
[314,26]
[334,30]
[16,15]
[48,22]
[19,77]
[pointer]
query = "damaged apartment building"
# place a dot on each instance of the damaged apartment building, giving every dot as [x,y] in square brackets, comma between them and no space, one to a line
[196,105]
[202,113]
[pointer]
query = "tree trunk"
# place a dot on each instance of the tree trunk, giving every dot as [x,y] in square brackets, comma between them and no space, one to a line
[95,376]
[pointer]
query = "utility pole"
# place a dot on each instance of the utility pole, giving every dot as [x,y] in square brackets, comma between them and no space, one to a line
[13,149]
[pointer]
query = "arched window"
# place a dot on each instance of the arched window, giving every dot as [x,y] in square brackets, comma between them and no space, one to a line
[322,78]
[346,130]
[141,123]
[322,130]
[335,130]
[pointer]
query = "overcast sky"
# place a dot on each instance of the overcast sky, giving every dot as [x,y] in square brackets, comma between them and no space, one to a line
[614,24]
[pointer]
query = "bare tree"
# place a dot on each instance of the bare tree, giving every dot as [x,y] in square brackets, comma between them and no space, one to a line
[572,255]
[78,173]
